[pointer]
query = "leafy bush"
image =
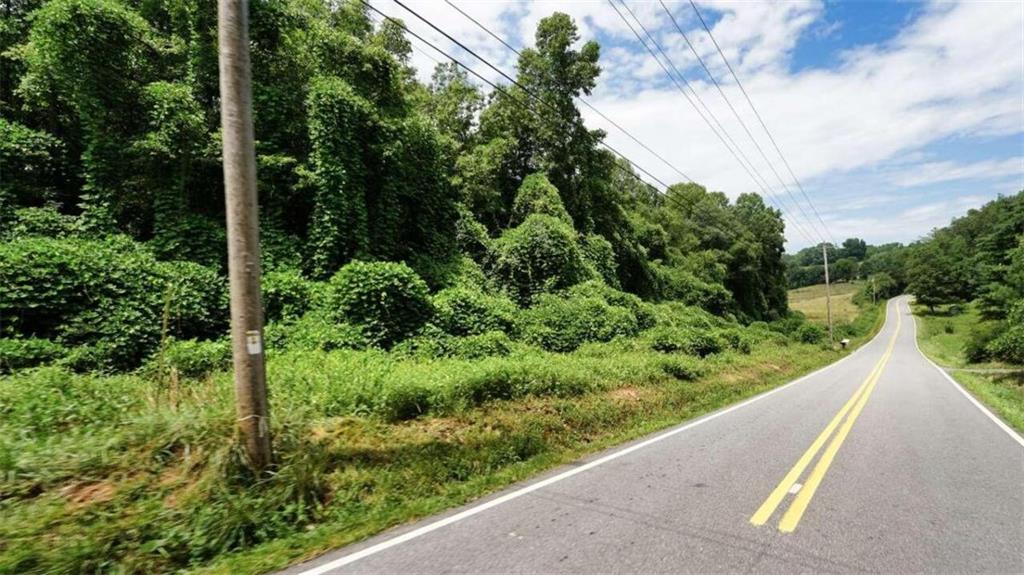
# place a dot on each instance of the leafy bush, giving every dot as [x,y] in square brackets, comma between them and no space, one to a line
[689,340]
[287,295]
[600,256]
[111,296]
[536,195]
[810,333]
[644,313]
[677,314]
[1009,344]
[737,339]
[19,353]
[489,344]
[681,367]
[317,330]
[540,255]
[387,300]
[192,358]
[558,323]
[45,222]
[468,311]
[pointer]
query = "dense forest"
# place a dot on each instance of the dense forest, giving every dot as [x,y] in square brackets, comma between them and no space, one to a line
[112,209]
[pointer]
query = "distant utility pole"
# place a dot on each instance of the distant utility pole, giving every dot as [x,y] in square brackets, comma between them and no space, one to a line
[828,294]
[243,231]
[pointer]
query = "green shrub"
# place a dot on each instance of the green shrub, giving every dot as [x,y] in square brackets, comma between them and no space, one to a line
[681,367]
[1008,345]
[469,311]
[192,358]
[317,330]
[387,300]
[19,353]
[979,338]
[540,255]
[643,312]
[471,237]
[45,222]
[678,314]
[489,344]
[810,333]
[111,296]
[600,256]
[536,195]
[287,295]
[737,339]
[558,323]
[689,340]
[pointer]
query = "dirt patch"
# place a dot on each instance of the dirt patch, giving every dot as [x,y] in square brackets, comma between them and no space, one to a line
[84,494]
[628,394]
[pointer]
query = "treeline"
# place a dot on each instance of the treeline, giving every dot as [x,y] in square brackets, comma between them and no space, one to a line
[854,259]
[978,258]
[111,200]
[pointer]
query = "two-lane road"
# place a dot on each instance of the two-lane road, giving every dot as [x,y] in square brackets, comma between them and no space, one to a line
[878,463]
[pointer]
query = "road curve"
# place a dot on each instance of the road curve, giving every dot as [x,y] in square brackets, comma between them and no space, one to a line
[878,463]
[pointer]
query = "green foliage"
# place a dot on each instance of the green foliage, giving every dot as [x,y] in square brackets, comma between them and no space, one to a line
[287,295]
[387,300]
[563,323]
[192,358]
[540,255]
[462,311]
[810,333]
[31,163]
[536,195]
[317,330]
[19,353]
[688,340]
[1008,343]
[600,255]
[45,222]
[111,294]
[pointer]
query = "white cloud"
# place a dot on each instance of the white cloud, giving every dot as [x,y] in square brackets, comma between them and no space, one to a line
[955,71]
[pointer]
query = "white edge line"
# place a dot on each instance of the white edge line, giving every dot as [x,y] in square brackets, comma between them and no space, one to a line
[1002,425]
[374,549]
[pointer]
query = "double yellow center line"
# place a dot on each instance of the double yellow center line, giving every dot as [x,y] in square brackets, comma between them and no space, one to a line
[853,407]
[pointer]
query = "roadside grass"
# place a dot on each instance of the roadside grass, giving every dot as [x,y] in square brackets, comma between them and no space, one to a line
[942,336]
[133,474]
[811,302]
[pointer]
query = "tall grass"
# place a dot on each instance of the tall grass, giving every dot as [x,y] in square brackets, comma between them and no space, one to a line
[128,474]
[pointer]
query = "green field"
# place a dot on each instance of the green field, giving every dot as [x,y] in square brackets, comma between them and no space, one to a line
[943,336]
[810,301]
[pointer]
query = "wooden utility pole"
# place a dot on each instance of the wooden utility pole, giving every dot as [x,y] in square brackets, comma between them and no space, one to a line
[828,295]
[243,231]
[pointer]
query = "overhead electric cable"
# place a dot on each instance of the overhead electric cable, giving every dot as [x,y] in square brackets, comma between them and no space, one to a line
[761,183]
[739,118]
[580,98]
[761,120]
[506,93]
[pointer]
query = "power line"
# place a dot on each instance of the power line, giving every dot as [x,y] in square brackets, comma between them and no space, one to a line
[739,118]
[506,76]
[580,98]
[761,120]
[506,93]
[760,183]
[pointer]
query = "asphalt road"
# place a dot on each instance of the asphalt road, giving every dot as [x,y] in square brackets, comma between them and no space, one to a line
[878,463]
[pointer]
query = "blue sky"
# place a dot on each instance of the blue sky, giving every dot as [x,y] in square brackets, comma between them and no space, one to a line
[895,116]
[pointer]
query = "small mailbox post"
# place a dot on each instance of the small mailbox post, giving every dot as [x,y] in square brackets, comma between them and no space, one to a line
[844,342]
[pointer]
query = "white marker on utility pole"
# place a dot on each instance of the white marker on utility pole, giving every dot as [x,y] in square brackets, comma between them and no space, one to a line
[243,231]
[828,294]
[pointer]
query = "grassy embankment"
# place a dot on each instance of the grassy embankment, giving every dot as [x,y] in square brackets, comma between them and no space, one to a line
[135,474]
[943,336]
[810,301]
